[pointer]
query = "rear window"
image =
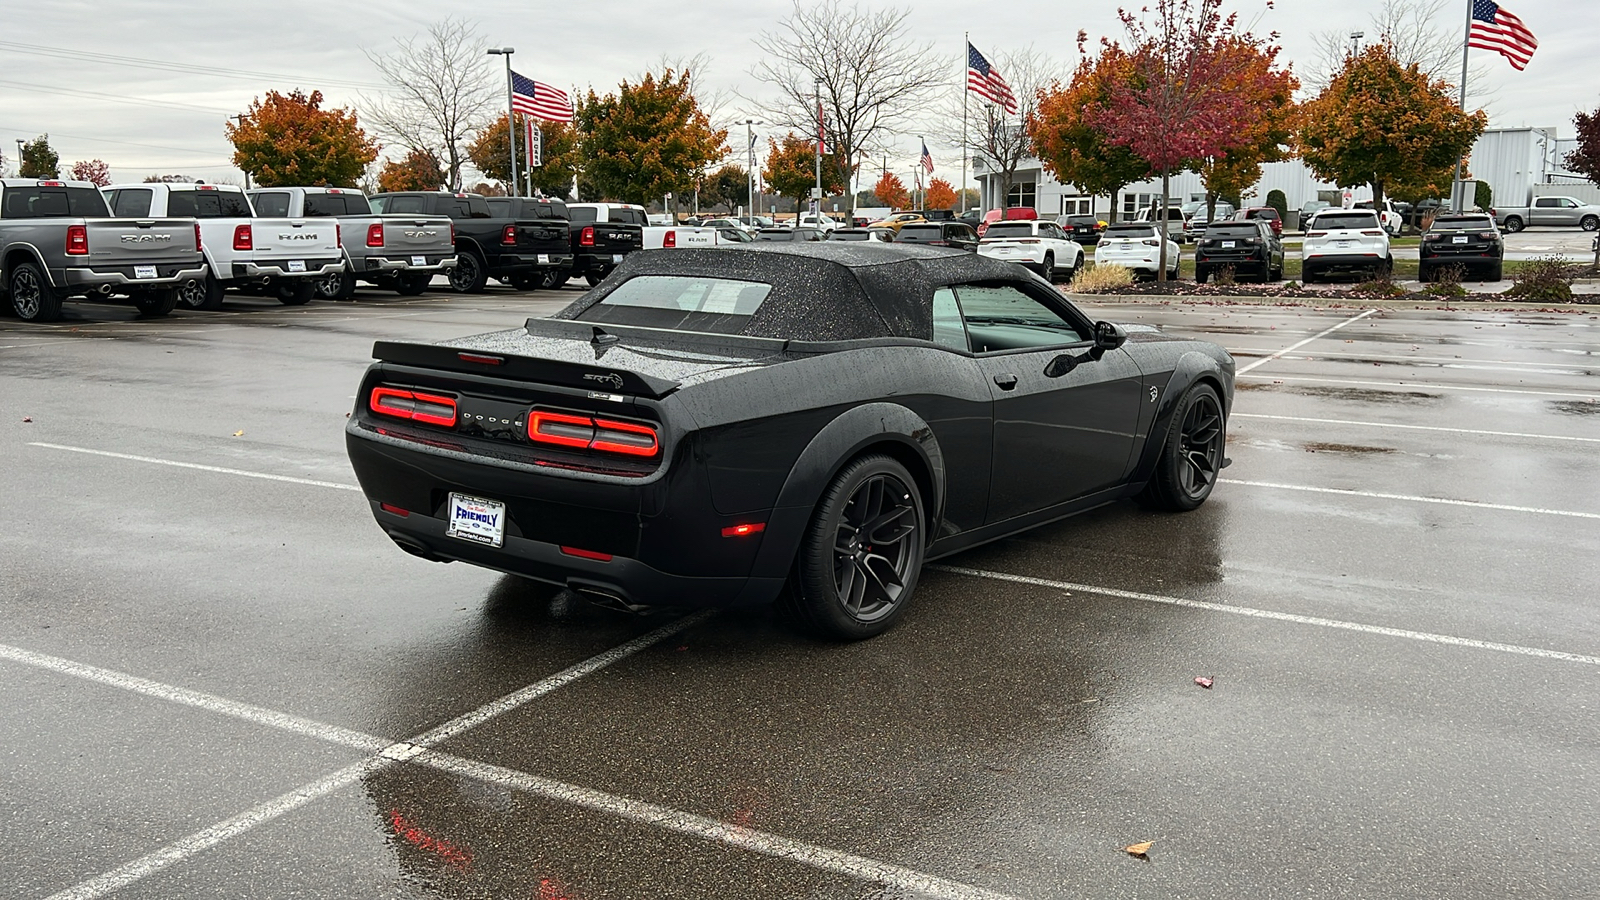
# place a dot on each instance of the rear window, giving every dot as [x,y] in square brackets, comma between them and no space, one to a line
[337,205]
[1331,220]
[1009,230]
[208,204]
[842,235]
[681,303]
[917,233]
[44,202]
[397,204]
[581,213]
[1130,231]
[1232,229]
[1462,223]
[132,202]
[271,204]
[628,216]
[1081,220]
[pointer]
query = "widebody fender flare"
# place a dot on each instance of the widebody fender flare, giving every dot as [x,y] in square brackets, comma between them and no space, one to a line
[1191,367]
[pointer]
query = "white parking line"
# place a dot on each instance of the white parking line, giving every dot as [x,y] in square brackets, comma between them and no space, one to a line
[1292,347]
[1412,498]
[338,486]
[1425,386]
[415,750]
[1424,636]
[1511,434]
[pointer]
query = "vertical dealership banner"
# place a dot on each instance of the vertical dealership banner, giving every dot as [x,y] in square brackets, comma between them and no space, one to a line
[535,143]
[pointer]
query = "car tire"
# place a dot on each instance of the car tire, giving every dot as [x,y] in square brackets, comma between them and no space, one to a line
[595,278]
[295,291]
[1308,275]
[204,292]
[1424,273]
[528,281]
[155,304]
[1590,223]
[1200,275]
[32,297]
[1275,273]
[555,279]
[1497,272]
[1513,225]
[341,285]
[412,284]
[1048,269]
[861,555]
[1191,455]
[469,275]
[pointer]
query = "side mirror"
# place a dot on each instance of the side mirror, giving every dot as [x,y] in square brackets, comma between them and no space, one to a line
[1107,337]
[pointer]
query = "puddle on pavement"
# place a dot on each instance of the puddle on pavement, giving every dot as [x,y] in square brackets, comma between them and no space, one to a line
[1575,407]
[1320,447]
[1365,395]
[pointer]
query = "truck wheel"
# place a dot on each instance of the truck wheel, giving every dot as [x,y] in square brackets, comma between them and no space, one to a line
[32,297]
[155,304]
[1513,225]
[1590,223]
[555,279]
[203,293]
[412,284]
[296,292]
[1048,269]
[595,278]
[1200,275]
[341,285]
[470,274]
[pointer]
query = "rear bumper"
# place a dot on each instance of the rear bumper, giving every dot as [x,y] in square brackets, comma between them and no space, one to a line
[1148,264]
[123,277]
[280,268]
[1343,260]
[591,261]
[1032,256]
[385,265]
[507,262]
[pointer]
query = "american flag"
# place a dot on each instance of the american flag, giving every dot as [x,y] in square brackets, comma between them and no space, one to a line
[927,158]
[539,100]
[1495,29]
[985,81]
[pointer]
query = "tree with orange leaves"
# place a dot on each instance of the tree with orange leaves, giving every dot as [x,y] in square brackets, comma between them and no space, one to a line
[289,139]
[941,195]
[648,139]
[420,170]
[1067,140]
[891,191]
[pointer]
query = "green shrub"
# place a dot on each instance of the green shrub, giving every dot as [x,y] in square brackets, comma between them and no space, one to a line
[1279,202]
[1483,196]
[1547,279]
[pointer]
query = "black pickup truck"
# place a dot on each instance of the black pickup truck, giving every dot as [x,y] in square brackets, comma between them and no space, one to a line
[515,250]
[602,234]
[552,265]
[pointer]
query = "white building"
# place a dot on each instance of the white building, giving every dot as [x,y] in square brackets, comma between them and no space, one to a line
[1518,164]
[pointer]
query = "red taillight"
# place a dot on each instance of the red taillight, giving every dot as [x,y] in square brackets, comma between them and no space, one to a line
[586,554]
[78,240]
[430,409]
[1488,235]
[243,238]
[375,234]
[1433,237]
[507,237]
[199,245]
[670,239]
[52,184]
[452,234]
[1152,242]
[742,530]
[589,433]
[338,237]
[586,238]
[477,358]
[1316,234]
[1372,233]
[207,187]
[394,510]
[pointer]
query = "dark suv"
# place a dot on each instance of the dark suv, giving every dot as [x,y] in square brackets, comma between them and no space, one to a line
[1083,229]
[1469,241]
[1265,213]
[939,234]
[1249,248]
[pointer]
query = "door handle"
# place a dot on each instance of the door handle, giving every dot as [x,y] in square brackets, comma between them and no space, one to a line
[1006,382]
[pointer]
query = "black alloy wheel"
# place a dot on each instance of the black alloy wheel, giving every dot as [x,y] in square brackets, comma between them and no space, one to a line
[204,292]
[32,297]
[1048,269]
[470,274]
[555,279]
[1191,457]
[862,553]
[594,278]
[340,285]
[155,304]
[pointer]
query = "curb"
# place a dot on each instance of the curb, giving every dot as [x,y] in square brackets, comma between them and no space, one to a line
[1460,305]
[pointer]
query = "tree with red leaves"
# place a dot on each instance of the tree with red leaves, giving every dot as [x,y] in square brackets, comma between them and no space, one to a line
[1586,159]
[94,171]
[1191,94]
[891,191]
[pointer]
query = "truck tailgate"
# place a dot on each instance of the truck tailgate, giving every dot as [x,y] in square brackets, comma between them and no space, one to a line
[418,235]
[283,238]
[129,242]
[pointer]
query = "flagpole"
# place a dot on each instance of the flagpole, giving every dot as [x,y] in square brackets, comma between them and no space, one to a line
[966,39]
[1457,201]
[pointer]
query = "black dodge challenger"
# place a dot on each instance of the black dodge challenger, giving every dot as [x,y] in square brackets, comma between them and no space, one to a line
[797,422]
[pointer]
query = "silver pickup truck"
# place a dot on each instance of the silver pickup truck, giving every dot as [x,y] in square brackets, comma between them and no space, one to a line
[58,240]
[398,252]
[1563,211]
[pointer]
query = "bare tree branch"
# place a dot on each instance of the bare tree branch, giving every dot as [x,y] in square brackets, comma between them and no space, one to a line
[442,88]
[1416,31]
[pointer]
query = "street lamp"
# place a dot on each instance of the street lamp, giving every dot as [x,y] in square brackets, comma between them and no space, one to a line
[511,116]
[750,149]
[240,119]
[20,144]
[820,139]
[1355,41]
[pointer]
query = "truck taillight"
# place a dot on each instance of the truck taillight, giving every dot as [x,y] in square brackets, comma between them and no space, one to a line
[243,238]
[375,234]
[199,245]
[670,239]
[430,409]
[77,240]
[590,433]
[508,237]
[338,236]
[586,238]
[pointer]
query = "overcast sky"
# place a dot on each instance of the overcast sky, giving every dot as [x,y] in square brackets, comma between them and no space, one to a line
[74,72]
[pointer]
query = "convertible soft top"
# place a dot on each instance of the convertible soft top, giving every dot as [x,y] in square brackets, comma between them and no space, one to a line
[822,291]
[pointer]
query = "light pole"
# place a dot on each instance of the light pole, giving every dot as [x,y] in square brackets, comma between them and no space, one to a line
[20,144]
[240,119]
[1355,41]
[820,143]
[750,150]
[511,116]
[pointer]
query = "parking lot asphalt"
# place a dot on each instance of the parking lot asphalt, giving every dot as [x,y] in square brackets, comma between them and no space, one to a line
[223,680]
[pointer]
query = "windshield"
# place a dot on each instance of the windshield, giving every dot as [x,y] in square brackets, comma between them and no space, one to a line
[1009,230]
[681,303]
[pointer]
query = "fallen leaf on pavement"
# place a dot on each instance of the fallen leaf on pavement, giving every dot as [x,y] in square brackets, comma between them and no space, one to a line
[1203,681]
[1138,849]
[238,434]
[27,418]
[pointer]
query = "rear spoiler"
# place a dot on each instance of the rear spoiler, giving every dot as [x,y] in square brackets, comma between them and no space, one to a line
[596,377]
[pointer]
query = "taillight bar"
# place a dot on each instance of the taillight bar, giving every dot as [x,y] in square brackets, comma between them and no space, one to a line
[670,239]
[77,240]
[591,433]
[243,238]
[508,237]
[198,245]
[430,409]
[586,237]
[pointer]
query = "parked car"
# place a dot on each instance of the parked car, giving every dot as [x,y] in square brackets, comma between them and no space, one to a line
[1224,209]
[1176,220]
[602,235]
[939,234]
[1560,211]
[894,222]
[59,240]
[1010,214]
[739,223]
[822,223]
[1344,240]
[1040,246]
[733,236]
[1467,241]
[396,252]
[936,215]
[1311,208]
[1083,229]
[1248,247]
[884,232]
[753,222]
[286,257]
[1392,215]
[803,233]
[509,248]
[1137,246]
[1265,213]
[554,255]
[750,438]
[877,235]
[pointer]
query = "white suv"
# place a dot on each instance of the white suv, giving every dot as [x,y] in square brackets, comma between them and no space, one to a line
[1344,239]
[1137,246]
[1040,246]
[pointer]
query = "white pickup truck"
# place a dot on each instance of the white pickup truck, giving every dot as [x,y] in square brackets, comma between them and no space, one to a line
[401,252]
[282,256]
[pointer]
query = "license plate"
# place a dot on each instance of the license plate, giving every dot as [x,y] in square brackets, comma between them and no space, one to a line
[1341,244]
[144,271]
[1459,239]
[477,520]
[419,260]
[616,257]
[544,259]
[1228,245]
[297,265]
